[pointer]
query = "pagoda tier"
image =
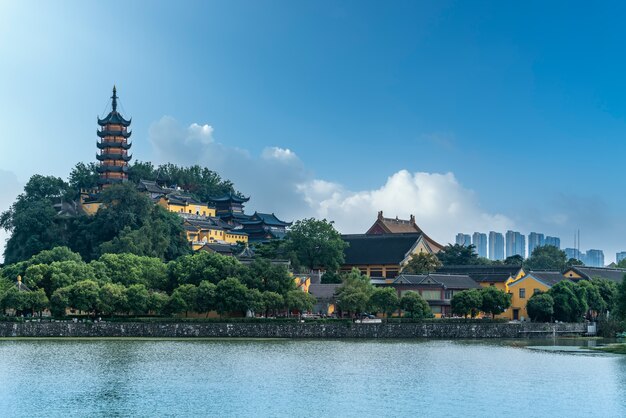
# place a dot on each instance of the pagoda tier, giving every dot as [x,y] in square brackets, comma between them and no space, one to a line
[109,156]
[119,132]
[113,146]
[112,169]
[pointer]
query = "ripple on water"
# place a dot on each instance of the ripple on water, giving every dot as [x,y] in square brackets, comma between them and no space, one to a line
[304,378]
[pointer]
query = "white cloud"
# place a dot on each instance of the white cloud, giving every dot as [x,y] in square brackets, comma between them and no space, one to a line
[278,181]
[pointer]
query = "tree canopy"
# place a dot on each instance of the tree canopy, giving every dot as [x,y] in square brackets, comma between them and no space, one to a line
[316,244]
[422,263]
[458,255]
[547,257]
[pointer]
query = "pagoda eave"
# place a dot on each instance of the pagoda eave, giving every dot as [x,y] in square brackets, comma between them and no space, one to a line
[111,144]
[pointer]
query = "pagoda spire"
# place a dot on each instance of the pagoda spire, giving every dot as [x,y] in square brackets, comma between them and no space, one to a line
[113,146]
[114,101]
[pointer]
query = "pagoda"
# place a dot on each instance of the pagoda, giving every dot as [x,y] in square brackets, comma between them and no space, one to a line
[113,145]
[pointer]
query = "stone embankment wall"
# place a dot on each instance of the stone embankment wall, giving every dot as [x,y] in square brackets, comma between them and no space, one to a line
[290,330]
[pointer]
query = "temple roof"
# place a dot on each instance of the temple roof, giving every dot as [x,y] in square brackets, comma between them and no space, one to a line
[150,186]
[612,274]
[229,197]
[547,277]
[366,249]
[269,219]
[446,281]
[383,226]
[114,117]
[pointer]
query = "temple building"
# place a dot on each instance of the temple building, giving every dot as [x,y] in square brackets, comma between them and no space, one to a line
[113,145]
[209,226]
[386,247]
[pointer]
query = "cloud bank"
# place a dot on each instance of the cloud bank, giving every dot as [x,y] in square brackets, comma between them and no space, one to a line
[278,181]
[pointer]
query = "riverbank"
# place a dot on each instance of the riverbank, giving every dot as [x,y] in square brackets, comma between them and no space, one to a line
[291,330]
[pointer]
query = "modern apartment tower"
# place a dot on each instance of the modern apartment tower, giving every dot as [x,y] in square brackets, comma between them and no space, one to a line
[480,242]
[515,244]
[594,258]
[496,246]
[573,253]
[463,239]
[620,256]
[554,241]
[535,239]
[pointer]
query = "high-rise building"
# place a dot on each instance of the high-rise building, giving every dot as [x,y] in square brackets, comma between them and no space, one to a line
[496,246]
[480,242]
[573,253]
[594,258]
[535,239]
[554,241]
[620,256]
[515,244]
[463,239]
[113,147]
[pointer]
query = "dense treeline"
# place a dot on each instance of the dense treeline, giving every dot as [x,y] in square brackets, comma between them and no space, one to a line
[199,181]
[129,284]
[128,222]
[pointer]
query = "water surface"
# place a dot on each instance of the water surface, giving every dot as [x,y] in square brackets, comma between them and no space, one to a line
[306,378]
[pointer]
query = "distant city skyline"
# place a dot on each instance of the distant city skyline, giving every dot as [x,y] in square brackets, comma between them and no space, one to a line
[516,244]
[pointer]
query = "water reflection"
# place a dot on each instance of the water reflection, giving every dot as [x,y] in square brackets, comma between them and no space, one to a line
[307,378]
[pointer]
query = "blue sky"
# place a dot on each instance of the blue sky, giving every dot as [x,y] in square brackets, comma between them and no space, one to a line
[471,115]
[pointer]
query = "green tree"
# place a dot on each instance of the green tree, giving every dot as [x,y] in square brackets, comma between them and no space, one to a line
[82,176]
[569,301]
[494,301]
[194,268]
[331,277]
[188,293]
[467,302]
[137,297]
[621,299]
[205,298]
[273,302]
[595,303]
[422,263]
[231,296]
[608,291]
[157,302]
[299,301]
[14,299]
[415,305]
[255,301]
[316,244]
[112,299]
[57,274]
[546,257]
[130,269]
[514,260]
[458,255]
[85,296]
[37,301]
[59,301]
[540,307]
[354,293]
[265,276]
[384,299]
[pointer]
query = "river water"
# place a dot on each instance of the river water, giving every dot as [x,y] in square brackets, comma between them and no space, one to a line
[307,378]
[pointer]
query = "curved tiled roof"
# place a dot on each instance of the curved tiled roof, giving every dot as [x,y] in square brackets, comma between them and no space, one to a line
[378,249]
